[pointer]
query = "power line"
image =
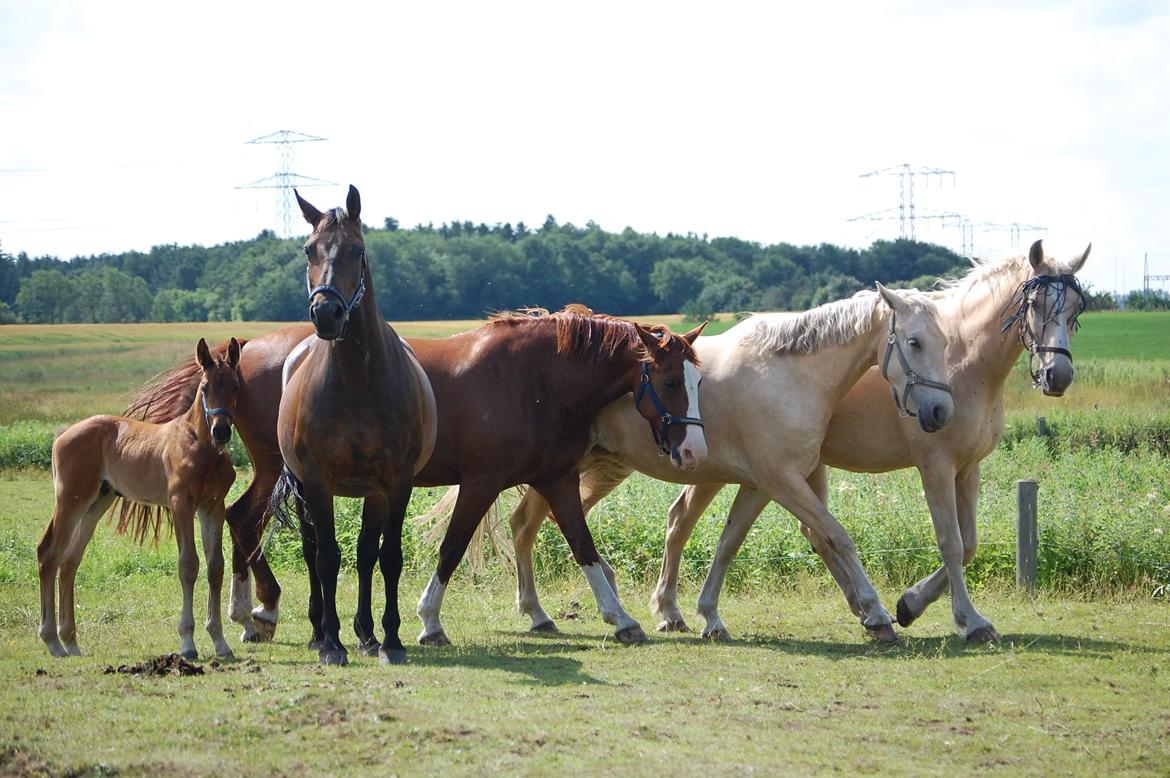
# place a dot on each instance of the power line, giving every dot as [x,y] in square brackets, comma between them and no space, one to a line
[284,178]
[907,212]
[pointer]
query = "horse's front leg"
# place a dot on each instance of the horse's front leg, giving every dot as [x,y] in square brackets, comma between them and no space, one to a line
[748,504]
[309,554]
[390,560]
[245,518]
[818,481]
[183,515]
[564,497]
[526,521]
[373,516]
[684,514]
[319,509]
[211,531]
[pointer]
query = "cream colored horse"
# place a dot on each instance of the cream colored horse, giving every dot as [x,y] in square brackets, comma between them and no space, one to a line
[180,466]
[769,388]
[1040,298]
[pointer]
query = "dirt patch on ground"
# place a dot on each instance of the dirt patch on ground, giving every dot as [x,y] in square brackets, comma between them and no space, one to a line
[168,664]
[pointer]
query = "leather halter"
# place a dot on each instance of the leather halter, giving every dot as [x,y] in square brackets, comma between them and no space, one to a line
[668,419]
[893,346]
[348,306]
[1025,300]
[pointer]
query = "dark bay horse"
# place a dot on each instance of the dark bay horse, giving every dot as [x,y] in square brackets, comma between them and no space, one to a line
[516,398]
[356,419]
[180,467]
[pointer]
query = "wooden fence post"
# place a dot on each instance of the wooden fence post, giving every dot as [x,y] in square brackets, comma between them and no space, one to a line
[1027,539]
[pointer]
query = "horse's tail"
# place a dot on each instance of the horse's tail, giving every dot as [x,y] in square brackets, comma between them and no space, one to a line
[170,393]
[490,528]
[139,520]
[287,501]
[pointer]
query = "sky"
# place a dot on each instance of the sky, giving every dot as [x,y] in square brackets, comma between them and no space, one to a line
[123,125]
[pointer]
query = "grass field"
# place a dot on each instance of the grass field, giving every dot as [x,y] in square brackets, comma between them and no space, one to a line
[1079,685]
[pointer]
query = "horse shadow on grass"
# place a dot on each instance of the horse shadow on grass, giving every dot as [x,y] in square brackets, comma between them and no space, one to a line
[942,646]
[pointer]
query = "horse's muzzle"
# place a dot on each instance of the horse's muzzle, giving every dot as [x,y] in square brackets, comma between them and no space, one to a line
[1057,377]
[933,416]
[221,433]
[328,318]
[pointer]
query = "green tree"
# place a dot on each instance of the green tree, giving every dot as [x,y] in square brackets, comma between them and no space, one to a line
[44,296]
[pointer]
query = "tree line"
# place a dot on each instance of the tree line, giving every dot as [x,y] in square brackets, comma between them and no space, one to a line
[463,270]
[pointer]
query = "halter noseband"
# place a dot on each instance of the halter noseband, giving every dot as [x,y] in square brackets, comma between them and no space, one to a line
[332,291]
[208,413]
[667,418]
[1025,300]
[893,346]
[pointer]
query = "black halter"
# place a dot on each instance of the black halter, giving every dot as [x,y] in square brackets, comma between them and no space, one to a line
[1024,300]
[667,418]
[348,305]
[912,378]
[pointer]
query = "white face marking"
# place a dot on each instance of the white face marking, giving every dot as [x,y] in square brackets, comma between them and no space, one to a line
[693,449]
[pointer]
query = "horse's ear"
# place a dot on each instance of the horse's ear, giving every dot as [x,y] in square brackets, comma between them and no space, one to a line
[690,336]
[1078,262]
[1036,254]
[896,302]
[203,355]
[311,214]
[233,353]
[649,338]
[353,205]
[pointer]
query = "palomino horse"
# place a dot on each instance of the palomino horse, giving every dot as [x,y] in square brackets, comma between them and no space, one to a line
[769,388]
[179,466]
[356,419]
[1041,299]
[516,398]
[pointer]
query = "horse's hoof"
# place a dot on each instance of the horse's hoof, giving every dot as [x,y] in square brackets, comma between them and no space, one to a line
[547,627]
[434,639]
[673,625]
[73,649]
[370,648]
[632,635]
[985,634]
[395,656]
[228,654]
[57,649]
[884,633]
[265,630]
[333,656]
[719,634]
[903,614]
[190,656]
[250,635]
[316,644]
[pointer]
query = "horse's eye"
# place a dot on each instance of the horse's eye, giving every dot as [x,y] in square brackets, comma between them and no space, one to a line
[355,249]
[912,343]
[309,252]
[670,383]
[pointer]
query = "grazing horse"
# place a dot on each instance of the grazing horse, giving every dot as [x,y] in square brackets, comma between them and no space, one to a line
[769,388]
[180,467]
[516,397]
[356,419]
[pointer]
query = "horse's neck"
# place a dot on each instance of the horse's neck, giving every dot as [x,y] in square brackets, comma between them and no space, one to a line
[981,351]
[598,383]
[369,344]
[194,418]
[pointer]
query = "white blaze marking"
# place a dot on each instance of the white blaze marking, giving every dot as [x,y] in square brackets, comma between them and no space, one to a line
[694,442]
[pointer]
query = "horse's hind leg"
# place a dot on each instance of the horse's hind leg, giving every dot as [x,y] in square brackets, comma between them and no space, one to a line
[309,552]
[373,516]
[184,523]
[211,530]
[49,553]
[684,513]
[564,497]
[245,517]
[526,521]
[390,560]
[71,561]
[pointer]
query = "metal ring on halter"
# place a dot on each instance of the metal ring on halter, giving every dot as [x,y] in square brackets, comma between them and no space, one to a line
[667,418]
[912,378]
[347,305]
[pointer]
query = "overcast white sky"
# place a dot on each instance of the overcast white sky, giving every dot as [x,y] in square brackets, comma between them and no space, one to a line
[122,125]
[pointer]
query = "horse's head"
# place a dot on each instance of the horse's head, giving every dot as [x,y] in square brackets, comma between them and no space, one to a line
[667,394]
[219,385]
[1044,310]
[337,269]
[917,374]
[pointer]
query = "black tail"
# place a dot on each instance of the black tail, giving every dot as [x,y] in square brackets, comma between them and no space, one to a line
[288,501]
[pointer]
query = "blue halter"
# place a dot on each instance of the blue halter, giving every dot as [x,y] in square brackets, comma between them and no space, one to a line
[208,413]
[667,418]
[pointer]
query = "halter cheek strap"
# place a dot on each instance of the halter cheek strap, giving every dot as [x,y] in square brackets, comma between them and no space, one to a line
[209,413]
[665,417]
[912,378]
[1025,300]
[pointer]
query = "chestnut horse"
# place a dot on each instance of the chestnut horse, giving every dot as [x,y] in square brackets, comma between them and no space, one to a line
[356,419]
[180,467]
[770,384]
[516,397]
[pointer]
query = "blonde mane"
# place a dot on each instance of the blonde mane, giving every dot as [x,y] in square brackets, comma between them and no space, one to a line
[831,324]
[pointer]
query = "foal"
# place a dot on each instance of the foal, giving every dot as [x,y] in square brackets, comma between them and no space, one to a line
[180,467]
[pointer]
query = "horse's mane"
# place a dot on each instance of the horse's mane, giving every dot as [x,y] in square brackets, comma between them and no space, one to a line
[831,324]
[983,271]
[589,335]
